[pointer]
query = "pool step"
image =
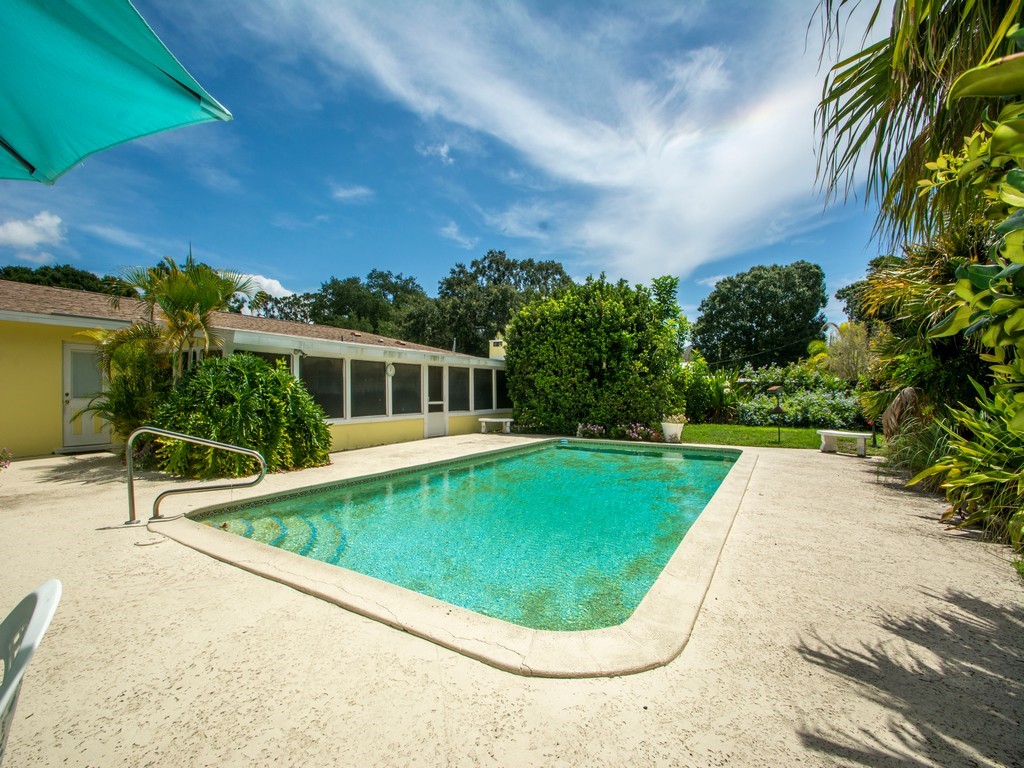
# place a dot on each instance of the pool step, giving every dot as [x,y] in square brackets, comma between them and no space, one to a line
[318,538]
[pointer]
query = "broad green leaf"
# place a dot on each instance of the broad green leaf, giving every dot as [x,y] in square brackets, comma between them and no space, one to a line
[1015,179]
[1017,422]
[965,289]
[1011,223]
[981,275]
[1008,138]
[1001,78]
[1015,322]
[1002,306]
[952,324]
[1008,270]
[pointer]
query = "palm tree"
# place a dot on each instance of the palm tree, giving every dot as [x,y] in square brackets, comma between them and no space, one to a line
[883,105]
[186,297]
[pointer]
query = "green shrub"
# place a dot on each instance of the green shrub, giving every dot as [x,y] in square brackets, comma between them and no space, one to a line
[804,409]
[600,354]
[982,469]
[793,378]
[697,383]
[919,443]
[243,401]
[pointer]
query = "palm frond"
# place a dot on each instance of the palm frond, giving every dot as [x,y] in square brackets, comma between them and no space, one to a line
[881,115]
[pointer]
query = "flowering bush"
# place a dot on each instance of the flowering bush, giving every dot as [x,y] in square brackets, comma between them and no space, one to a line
[674,418]
[5,458]
[590,430]
[634,431]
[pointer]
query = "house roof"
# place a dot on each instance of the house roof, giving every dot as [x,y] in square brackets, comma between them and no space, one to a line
[64,302]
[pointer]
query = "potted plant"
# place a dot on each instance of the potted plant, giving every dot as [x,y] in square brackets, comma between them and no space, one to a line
[672,427]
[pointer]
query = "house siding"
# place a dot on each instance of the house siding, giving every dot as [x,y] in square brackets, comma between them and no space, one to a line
[31,358]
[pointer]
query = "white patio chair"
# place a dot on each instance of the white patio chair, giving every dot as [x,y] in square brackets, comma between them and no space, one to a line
[20,634]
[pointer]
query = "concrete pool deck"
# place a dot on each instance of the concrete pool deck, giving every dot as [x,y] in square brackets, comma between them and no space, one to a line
[842,625]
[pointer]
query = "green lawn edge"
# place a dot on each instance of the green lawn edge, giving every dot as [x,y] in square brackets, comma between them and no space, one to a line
[766,437]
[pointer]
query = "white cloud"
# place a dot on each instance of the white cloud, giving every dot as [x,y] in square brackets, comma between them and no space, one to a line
[269,285]
[451,231]
[354,194]
[42,229]
[711,281]
[35,257]
[116,235]
[685,150]
[441,151]
[288,221]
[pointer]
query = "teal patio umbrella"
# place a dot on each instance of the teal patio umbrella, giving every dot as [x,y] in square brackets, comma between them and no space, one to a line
[80,76]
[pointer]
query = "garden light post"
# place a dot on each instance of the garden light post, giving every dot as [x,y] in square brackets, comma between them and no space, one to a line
[778,410]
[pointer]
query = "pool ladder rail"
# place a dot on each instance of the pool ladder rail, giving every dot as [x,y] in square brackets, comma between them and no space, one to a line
[192,488]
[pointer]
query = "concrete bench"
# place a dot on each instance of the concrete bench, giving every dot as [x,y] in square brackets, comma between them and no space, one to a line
[506,425]
[828,440]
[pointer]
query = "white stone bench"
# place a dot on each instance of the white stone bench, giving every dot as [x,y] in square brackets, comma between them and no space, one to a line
[506,425]
[828,440]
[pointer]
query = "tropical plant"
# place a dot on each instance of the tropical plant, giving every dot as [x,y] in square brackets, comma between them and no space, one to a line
[983,469]
[882,106]
[138,376]
[186,296]
[762,316]
[243,401]
[917,445]
[599,353]
[5,458]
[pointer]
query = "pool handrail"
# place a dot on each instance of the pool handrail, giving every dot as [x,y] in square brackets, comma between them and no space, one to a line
[129,460]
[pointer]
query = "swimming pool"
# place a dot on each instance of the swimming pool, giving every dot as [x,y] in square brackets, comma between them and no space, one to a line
[563,536]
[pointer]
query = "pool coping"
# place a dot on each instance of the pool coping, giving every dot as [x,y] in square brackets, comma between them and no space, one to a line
[653,636]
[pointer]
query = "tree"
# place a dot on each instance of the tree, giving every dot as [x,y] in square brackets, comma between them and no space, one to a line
[60,276]
[883,104]
[599,353]
[765,316]
[848,354]
[477,303]
[187,296]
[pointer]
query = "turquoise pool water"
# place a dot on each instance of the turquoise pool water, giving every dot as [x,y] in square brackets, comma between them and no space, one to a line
[566,536]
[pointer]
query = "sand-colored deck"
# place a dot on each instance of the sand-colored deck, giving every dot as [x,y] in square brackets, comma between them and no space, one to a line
[843,625]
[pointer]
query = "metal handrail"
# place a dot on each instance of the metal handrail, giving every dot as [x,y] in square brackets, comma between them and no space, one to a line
[193,488]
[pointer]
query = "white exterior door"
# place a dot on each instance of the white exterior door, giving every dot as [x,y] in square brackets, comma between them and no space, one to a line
[82,380]
[437,413]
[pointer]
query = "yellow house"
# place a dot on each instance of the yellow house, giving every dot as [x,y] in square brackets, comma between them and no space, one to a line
[374,390]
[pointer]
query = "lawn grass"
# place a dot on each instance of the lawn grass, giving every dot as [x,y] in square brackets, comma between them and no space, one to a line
[767,437]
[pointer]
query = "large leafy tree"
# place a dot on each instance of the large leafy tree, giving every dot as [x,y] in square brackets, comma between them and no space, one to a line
[59,276]
[599,353]
[765,316]
[881,114]
[475,303]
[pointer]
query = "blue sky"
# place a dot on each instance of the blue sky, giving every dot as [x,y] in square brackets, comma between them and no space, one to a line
[633,138]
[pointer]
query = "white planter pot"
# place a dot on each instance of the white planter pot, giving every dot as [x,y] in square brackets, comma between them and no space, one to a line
[673,432]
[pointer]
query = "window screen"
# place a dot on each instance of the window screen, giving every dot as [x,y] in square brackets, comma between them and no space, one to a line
[501,384]
[324,377]
[368,389]
[458,389]
[406,389]
[483,390]
[270,357]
